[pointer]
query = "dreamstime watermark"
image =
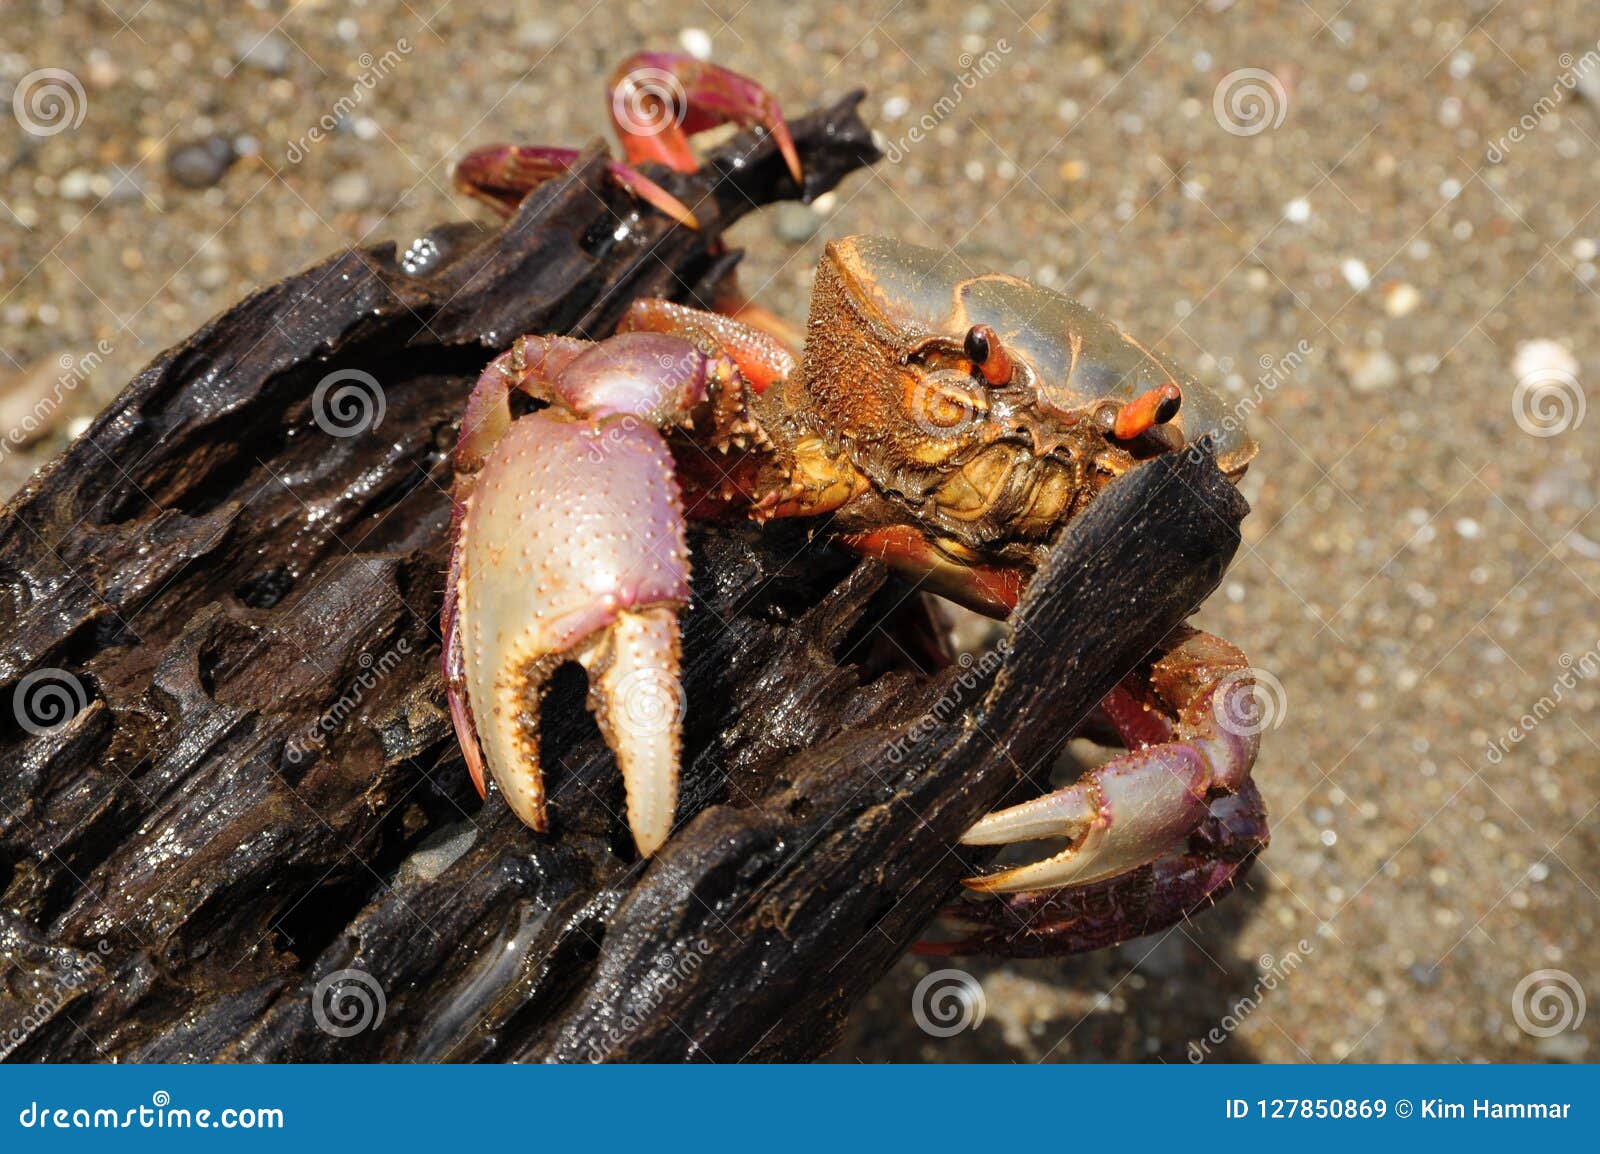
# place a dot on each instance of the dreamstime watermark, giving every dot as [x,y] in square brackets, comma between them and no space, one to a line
[948,1002]
[974,68]
[647,701]
[662,386]
[46,700]
[348,402]
[348,1002]
[1548,1002]
[1274,372]
[1573,72]
[373,69]
[1249,101]
[1273,973]
[372,672]
[1548,401]
[648,101]
[72,977]
[75,372]
[49,100]
[1576,670]
[667,975]
[160,1114]
[1250,701]
[975,673]
[945,404]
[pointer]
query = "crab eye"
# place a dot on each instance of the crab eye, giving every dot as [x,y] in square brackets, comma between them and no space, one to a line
[1155,407]
[987,355]
[979,343]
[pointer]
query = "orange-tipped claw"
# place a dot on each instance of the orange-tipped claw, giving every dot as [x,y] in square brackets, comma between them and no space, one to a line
[660,99]
[1155,407]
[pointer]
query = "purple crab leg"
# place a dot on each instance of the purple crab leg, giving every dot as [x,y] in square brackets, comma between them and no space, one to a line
[500,175]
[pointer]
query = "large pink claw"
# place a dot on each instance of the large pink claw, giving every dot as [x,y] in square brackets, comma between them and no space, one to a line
[571,547]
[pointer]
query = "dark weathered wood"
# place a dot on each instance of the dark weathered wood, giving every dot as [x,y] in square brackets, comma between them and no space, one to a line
[258,788]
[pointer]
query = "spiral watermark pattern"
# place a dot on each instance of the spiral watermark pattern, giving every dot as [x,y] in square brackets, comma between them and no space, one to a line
[1248,101]
[348,1002]
[945,404]
[348,402]
[1548,1002]
[47,699]
[49,100]
[948,1002]
[1547,402]
[650,701]
[648,101]
[1250,701]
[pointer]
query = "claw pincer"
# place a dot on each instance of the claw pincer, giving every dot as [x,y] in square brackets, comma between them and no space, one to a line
[570,546]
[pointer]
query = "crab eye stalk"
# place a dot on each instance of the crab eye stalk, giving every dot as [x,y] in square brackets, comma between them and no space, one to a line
[1154,407]
[988,355]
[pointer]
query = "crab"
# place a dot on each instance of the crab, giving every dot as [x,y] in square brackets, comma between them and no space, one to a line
[947,425]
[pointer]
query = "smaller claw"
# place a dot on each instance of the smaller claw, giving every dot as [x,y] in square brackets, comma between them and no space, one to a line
[1139,807]
[1215,859]
[1127,813]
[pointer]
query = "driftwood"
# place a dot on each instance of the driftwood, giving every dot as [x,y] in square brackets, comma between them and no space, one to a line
[233,820]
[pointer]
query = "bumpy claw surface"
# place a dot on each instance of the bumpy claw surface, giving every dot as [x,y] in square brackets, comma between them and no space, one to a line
[573,547]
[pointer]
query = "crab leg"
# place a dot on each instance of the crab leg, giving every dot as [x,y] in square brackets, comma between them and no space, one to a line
[762,356]
[660,99]
[1144,804]
[500,175]
[571,546]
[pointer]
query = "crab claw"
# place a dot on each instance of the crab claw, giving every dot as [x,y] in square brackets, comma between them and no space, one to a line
[1143,805]
[1214,859]
[1126,813]
[660,99]
[572,547]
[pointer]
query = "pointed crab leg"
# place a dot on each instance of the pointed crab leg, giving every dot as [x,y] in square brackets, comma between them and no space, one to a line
[660,99]
[1142,805]
[571,546]
[501,175]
